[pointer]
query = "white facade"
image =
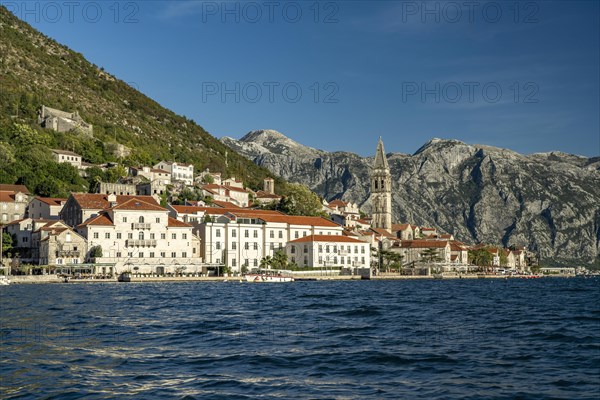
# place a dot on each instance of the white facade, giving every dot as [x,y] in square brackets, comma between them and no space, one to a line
[238,237]
[179,172]
[45,208]
[140,235]
[64,156]
[323,251]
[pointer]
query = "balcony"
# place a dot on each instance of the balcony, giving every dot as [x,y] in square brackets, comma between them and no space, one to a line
[141,243]
[140,226]
[68,253]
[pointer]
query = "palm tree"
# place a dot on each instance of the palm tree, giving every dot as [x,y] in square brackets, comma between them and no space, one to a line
[279,260]
[266,262]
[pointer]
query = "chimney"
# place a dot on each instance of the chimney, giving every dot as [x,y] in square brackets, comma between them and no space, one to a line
[112,199]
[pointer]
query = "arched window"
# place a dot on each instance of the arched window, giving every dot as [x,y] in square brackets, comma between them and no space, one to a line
[376,184]
[141,236]
[141,220]
[382,184]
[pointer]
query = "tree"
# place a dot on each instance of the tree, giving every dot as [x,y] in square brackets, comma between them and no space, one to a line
[299,200]
[391,258]
[280,260]
[266,262]
[481,257]
[96,251]
[431,255]
[7,242]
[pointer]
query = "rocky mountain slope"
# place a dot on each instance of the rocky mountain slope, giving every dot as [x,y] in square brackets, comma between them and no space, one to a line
[547,201]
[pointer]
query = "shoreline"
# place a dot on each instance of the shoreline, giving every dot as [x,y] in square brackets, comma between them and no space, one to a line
[54,279]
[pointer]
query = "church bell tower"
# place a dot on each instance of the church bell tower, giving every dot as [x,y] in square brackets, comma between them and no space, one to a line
[381,190]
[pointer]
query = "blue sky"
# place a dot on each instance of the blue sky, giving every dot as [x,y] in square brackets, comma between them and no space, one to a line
[521,75]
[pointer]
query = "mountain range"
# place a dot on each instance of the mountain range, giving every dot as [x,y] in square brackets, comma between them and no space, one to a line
[549,202]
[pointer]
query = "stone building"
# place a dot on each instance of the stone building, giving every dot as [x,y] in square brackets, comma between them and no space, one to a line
[323,251]
[62,121]
[65,156]
[13,202]
[45,207]
[381,190]
[179,172]
[60,245]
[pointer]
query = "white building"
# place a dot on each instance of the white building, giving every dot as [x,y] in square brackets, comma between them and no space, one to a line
[242,237]
[324,251]
[45,207]
[65,156]
[161,176]
[232,193]
[140,236]
[179,172]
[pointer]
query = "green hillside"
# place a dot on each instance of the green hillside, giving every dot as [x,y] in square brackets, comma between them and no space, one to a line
[36,70]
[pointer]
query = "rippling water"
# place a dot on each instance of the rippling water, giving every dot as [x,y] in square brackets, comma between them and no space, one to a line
[527,339]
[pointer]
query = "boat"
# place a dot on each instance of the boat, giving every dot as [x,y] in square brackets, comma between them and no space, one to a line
[4,280]
[124,277]
[268,278]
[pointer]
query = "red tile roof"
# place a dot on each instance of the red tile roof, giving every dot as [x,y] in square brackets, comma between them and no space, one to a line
[299,220]
[261,194]
[400,227]
[427,229]
[137,204]
[96,201]
[423,244]
[216,210]
[338,203]
[51,201]
[383,232]
[100,220]
[327,238]
[7,197]
[225,204]
[14,188]
[174,223]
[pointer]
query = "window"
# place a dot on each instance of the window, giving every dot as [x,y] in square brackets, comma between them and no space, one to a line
[141,236]
[233,262]
[355,249]
[320,248]
[162,254]
[255,233]
[246,246]
[130,235]
[218,233]
[118,254]
[342,260]
[96,235]
[233,233]
[152,236]
[362,260]
[118,235]
[320,259]
[107,235]
[173,236]
[327,249]
[141,255]
[306,248]
[184,254]
[158,220]
[151,254]
[362,249]
[163,236]
[280,234]
[256,262]
[130,254]
[335,249]
[233,246]
[141,219]
[296,235]
[293,249]
[246,233]
[304,234]
[272,246]
[184,236]
[272,234]
[218,245]
[124,219]
[305,260]
[173,254]
[255,245]
[293,259]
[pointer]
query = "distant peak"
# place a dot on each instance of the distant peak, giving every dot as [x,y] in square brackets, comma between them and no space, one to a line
[263,134]
[435,142]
